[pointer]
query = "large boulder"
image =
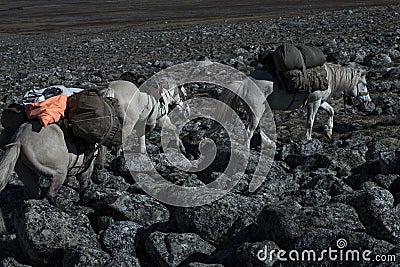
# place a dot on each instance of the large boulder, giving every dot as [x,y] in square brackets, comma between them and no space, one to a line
[123,259]
[122,205]
[277,182]
[218,221]
[173,249]
[99,197]
[85,257]
[46,234]
[374,205]
[299,150]
[321,179]
[120,237]
[389,162]
[141,209]
[388,181]
[285,222]
[310,162]
[309,197]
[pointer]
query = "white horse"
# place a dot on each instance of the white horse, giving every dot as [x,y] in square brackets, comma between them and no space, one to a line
[172,98]
[351,81]
[169,99]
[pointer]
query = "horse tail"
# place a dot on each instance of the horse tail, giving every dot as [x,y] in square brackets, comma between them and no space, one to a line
[7,165]
[8,162]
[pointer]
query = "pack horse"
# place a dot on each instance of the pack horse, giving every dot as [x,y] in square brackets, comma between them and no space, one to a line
[339,79]
[157,112]
[36,150]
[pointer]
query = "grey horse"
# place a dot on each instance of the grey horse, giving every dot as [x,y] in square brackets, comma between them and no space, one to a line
[37,150]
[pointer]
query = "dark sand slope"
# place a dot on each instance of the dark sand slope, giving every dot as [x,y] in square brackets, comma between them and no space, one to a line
[51,16]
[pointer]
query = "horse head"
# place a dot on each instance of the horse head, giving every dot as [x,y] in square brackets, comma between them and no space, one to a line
[176,98]
[183,106]
[360,91]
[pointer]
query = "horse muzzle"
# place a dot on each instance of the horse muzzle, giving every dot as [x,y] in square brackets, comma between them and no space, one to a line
[367,103]
[366,100]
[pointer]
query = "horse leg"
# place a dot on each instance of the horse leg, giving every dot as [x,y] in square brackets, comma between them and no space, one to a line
[165,122]
[101,158]
[312,109]
[57,181]
[254,116]
[267,141]
[118,151]
[249,135]
[29,179]
[141,133]
[329,125]
[84,179]
[3,229]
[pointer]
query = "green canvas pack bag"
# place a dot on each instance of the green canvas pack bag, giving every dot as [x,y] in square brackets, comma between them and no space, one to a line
[94,118]
[312,55]
[310,80]
[289,57]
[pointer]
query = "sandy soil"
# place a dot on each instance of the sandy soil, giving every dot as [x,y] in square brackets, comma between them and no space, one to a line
[54,16]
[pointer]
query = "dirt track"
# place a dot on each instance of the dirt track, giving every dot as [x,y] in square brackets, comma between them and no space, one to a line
[46,16]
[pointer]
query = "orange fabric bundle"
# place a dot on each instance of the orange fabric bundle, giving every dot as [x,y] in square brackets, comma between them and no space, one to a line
[48,111]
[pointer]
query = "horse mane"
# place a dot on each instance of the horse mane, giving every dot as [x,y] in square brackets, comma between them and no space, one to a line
[341,78]
[107,92]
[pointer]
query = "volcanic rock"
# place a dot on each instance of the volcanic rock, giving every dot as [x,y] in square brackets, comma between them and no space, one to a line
[120,238]
[173,249]
[221,219]
[286,222]
[85,257]
[46,234]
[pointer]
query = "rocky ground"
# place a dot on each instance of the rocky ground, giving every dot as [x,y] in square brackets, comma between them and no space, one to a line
[315,193]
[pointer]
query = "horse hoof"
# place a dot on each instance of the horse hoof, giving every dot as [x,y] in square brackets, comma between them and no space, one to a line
[82,196]
[54,202]
[328,135]
[3,230]
[99,167]
[183,150]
